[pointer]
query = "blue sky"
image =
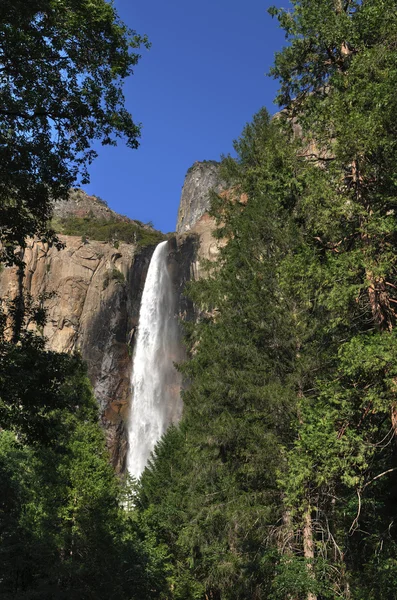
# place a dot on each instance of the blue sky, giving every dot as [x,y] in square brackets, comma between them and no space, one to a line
[193,91]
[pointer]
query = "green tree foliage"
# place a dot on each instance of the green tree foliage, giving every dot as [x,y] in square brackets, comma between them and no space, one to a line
[62,65]
[219,502]
[337,78]
[63,531]
[284,466]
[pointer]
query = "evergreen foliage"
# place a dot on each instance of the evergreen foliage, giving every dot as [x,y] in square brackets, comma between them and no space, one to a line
[281,480]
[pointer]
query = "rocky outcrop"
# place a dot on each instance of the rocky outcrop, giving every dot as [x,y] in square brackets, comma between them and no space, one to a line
[93,296]
[200,179]
[81,205]
[193,218]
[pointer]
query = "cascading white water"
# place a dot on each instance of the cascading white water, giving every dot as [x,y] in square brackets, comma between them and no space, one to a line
[156,384]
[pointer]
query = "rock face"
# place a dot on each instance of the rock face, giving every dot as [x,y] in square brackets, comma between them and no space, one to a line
[193,217]
[93,307]
[93,292]
[195,199]
[81,204]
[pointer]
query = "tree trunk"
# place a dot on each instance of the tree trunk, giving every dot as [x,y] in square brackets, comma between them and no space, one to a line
[393,412]
[308,546]
[380,302]
[285,541]
[19,302]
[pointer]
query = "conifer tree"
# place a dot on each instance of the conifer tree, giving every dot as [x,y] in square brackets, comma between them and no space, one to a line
[219,503]
[336,79]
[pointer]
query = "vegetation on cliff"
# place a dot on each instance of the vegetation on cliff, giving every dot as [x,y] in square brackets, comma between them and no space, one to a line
[109,230]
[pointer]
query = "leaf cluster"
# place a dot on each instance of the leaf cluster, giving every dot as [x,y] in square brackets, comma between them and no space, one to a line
[62,67]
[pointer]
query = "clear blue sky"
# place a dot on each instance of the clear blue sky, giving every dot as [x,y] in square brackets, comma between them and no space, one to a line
[193,91]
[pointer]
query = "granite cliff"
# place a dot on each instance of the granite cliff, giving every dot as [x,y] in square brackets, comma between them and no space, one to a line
[201,178]
[94,290]
[193,217]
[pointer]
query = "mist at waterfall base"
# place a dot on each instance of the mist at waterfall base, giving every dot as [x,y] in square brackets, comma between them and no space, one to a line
[156,384]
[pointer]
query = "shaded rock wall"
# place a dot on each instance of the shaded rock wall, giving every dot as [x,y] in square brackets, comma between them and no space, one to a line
[94,309]
[183,251]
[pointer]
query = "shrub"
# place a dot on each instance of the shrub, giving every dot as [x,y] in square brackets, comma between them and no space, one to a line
[112,231]
[113,275]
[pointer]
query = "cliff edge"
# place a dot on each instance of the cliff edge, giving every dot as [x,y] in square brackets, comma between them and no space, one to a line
[200,179]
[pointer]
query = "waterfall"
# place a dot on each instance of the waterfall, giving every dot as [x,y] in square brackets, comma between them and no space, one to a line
[156,384]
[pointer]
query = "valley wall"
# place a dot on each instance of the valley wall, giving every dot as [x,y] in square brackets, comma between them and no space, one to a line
[93,290]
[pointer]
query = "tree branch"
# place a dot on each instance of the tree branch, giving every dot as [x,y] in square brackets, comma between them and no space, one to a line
[379,476]
[35,115]
[354,525]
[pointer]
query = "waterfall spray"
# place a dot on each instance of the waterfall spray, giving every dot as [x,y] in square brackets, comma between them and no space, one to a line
[156,384]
